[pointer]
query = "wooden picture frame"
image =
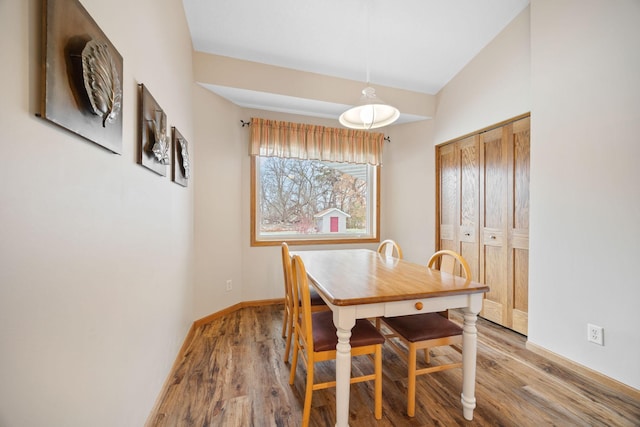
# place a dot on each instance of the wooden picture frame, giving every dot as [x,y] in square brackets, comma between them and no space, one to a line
[81,75]
[154,144]
[181,158]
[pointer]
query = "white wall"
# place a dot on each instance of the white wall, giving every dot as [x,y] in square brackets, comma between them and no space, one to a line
[218,202]
[585,182]
[96,252]
[492,87]
[408,183]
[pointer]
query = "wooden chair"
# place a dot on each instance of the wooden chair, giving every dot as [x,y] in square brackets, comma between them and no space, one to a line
[390,248]
[448,262]
[425,331]
[316,340]
[317,303]
[451,262]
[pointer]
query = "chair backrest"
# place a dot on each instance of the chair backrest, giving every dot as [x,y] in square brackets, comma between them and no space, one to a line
[448,260]
[288,277]
[390,248]
[302,312]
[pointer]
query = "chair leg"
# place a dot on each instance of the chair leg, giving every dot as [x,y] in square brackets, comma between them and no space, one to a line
[294,362]
[288,345]
[411,380]
[306,412]
[285,321]
[427,356]
[378,382]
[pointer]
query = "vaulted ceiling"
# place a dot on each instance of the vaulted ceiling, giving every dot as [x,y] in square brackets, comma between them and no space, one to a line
[415,45]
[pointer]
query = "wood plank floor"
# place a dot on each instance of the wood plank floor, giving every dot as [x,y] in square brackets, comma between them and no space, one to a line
[232,374]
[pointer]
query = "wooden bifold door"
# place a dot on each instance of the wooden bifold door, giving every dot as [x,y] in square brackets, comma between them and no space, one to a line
[483,214]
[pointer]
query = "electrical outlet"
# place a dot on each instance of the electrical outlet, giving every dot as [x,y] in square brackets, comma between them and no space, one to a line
[595,334]
[229,285]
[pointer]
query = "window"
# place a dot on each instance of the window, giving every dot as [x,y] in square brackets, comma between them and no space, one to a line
[311,184]
[313,201]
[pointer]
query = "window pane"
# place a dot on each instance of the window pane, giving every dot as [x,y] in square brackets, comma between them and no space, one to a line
[310,199]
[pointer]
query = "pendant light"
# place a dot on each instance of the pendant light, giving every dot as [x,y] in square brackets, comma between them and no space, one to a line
[370,112]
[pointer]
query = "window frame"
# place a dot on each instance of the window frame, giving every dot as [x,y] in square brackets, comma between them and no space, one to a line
[293,239]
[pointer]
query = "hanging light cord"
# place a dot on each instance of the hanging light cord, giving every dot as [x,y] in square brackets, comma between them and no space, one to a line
[367,33]
[370,112]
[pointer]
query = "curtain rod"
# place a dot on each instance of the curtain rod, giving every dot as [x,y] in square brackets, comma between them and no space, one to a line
[386,138]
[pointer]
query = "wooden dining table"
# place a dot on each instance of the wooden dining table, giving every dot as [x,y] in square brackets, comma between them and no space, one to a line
[361,283]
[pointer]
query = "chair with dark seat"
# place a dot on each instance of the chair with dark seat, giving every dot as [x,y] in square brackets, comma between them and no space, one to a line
[315,339]
[425,331]
[317,303]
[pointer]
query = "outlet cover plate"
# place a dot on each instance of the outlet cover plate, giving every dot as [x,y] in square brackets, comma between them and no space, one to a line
[595,334]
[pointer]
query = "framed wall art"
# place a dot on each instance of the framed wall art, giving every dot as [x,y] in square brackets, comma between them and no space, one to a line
[154,148]
[82,75]
[181,159]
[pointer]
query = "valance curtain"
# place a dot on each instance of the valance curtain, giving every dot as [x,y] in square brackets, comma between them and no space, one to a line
[272,138]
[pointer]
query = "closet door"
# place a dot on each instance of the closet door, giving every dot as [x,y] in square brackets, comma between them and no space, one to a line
[504,240]
[469,202]
[448,171]
[483,212]
[459,200]
[493,224]
[518,244]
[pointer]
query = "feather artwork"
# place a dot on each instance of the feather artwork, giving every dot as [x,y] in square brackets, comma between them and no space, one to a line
[162,143]
[184,154]
[101,81]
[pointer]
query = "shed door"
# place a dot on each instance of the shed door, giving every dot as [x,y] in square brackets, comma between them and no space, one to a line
[334,224]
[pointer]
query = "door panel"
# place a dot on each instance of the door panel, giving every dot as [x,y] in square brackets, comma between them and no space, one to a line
[521,280]
[469,251]
[495,179]
[519,225]
[494,276]
[521,175]
[469,216]
[493,225]
[448,190]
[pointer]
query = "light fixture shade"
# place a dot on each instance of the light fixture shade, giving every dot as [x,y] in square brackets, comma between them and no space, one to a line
[370,113]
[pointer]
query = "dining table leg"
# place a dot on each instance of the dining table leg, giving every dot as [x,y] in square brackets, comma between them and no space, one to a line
[344,321]
[469,354]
